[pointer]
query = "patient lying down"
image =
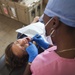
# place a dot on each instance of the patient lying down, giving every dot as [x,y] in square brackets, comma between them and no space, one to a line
[16,55]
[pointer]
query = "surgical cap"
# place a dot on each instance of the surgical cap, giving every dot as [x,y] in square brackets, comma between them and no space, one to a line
[63,9]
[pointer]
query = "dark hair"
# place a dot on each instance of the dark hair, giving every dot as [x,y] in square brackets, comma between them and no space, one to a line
[12,61]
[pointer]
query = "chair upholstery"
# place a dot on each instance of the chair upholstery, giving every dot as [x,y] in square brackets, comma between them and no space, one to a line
[5,71]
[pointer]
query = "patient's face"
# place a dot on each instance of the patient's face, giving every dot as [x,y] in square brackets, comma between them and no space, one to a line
[19,46]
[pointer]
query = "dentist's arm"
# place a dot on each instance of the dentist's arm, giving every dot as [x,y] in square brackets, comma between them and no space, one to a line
[41,42]
[27,70]
[33,52]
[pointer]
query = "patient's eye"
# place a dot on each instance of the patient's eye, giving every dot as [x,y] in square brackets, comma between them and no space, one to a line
[21,44]
[16,42]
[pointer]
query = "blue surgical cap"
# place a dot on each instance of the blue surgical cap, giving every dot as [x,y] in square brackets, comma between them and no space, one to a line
[63,9]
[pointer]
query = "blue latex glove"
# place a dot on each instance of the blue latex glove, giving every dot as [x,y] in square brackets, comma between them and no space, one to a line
[32,51]
[40,41]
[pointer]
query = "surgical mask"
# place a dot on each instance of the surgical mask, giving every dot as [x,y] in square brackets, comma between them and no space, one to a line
[49,37]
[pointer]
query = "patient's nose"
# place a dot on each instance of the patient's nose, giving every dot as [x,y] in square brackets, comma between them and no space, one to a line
[24,40]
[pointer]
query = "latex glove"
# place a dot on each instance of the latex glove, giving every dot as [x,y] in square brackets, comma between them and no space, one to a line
[32,51]
[40,41]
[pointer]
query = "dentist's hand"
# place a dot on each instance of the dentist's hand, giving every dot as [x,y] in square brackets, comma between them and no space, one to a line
[40,41]
[32,51]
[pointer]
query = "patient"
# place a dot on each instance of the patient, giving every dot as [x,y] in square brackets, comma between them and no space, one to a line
[15,53]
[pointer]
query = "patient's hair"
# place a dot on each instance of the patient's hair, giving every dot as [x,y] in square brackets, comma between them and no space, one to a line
[13,61]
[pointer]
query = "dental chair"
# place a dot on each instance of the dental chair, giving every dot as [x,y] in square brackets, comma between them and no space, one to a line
[18,71]
[5,71]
